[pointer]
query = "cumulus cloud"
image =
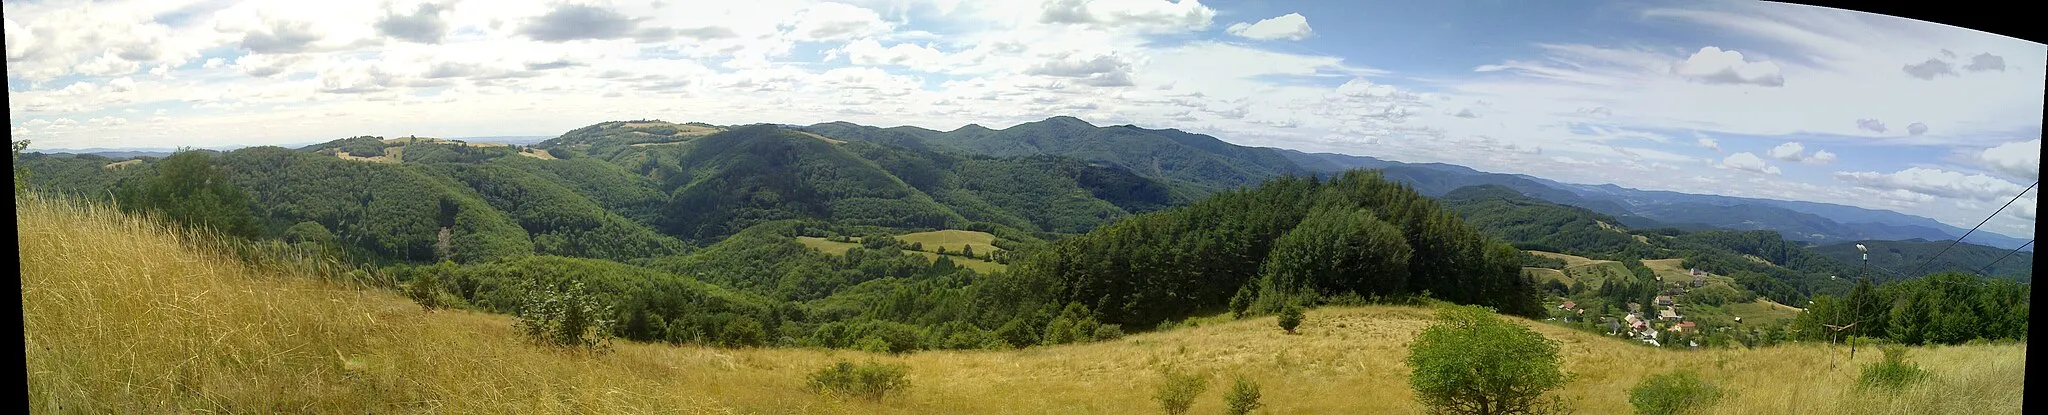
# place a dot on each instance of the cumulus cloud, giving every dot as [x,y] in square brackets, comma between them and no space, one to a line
[281,36]
[1870,124]
[1986,62]
[1821,157]
[1930,69]
[1745,161]
[837,21]
[1936,182]
[1916,129]
[1710,144]
[1100,70]
[1715,66]
[572,22]
[1291,26]
[423,25]
[1790,151]
[2019,158]
[1144,15]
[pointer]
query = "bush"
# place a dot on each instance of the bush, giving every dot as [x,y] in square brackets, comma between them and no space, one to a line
[1243,397]
[1290,317]
[870,381]
[1179,390]
[1894,372]
[425,287]
[1242,302]
[1471,362]
[565,316]
[1109,332]
[1673,393]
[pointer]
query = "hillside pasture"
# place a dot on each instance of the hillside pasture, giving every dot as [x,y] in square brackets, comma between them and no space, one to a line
[1544,275]
[954,240]
[121,164]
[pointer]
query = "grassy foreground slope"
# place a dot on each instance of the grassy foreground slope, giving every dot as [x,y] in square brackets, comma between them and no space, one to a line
[120,315]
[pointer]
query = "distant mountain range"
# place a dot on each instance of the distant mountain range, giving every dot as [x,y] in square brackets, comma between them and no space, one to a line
[1201,163]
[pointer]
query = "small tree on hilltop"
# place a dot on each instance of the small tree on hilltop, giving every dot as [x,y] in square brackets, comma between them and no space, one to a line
[1470,361]
[1290,317]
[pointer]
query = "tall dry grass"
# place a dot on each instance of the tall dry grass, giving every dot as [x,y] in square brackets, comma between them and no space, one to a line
[122,315]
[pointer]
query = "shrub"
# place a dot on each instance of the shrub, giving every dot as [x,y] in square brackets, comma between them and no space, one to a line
[1243,397]
[1894,372]
[1109,332]
[564,316]
[1179,390]
[1242,302]
[1290,317]
[1471,362]
[1673,393]
[425,287]
[870,381]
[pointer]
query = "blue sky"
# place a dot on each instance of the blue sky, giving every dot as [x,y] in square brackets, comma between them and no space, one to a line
[1734,98]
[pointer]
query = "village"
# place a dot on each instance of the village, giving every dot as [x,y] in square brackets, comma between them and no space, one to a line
[1668,325]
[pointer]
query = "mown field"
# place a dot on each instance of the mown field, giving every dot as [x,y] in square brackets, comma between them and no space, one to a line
[120,315]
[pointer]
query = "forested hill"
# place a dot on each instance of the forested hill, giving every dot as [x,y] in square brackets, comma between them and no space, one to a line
[1197,163]
[1293,239]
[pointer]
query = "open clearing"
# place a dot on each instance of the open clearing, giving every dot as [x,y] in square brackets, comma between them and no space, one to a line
[387,158]
[537,153]
[953,240]
[120,316]
[1762,311]
[1546,274]
[820,137]
[120,164]
[839,248]
[1569,260]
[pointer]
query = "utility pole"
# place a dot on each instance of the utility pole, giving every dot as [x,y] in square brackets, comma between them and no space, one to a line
[1864,276]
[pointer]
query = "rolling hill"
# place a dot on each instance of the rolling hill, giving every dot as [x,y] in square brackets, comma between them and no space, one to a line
[108,328]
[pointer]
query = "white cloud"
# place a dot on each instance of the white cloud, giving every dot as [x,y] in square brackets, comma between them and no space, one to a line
[1710,144]
[1156,16]
[1745,161]
[1821,157]
[1715,66]
[836,21]
[1291,26]
[2019,158]
[1936,182]
[1790,151]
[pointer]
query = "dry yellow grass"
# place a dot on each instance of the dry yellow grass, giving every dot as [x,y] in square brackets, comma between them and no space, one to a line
[537,153]
[120,164]
[121,316]
[839,248]
[820,137]
[1570,261]
[387,158]
[952,239]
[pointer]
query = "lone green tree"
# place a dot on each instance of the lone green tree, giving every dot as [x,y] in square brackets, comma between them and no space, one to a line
[1243,397]
[190,190]
[1470,361]
[1290,317]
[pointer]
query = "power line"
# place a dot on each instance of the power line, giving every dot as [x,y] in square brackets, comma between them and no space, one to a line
[1987,219]
[1987,267]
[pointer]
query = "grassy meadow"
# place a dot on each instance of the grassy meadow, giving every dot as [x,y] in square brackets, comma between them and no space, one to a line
[122,315]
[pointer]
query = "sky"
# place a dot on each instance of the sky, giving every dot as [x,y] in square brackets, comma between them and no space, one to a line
[1742,99]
